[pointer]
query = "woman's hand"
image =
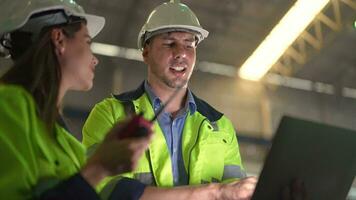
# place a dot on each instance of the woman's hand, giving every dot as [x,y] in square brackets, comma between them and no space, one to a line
[115,156]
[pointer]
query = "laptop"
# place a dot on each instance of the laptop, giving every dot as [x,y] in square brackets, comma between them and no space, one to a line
[323,156]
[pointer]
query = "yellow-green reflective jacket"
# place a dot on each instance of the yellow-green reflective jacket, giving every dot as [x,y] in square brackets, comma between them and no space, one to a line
[209,144]
[31,160]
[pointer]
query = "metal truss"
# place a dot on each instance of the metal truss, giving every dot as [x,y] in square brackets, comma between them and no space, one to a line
[313,37]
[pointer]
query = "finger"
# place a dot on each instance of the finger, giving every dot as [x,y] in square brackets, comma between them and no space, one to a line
[150,135]
[136,143]
[249,186]
[137,153]
[251,179]
[138,148]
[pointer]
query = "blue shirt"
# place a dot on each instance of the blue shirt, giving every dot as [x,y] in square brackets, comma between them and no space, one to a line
[173,130]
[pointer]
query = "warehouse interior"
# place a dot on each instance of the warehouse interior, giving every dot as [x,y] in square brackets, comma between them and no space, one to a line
[314,78]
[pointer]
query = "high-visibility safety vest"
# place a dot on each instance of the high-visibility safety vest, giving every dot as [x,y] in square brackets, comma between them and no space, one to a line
[209,144]
[32,160]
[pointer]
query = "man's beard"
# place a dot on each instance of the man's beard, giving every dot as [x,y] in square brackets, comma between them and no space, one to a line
[174,83]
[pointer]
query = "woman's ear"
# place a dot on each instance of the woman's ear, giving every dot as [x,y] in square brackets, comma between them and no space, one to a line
[58,40]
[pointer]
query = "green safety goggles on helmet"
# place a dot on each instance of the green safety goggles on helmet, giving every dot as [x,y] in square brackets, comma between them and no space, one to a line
[168,17]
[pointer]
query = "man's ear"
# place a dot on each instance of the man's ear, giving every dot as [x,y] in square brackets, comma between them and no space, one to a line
[58,39]
[145,52]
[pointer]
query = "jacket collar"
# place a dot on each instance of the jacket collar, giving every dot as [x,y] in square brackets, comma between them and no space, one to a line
[202,107]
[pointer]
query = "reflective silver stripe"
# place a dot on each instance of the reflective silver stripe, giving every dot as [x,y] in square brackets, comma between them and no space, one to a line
[145,178]
[233,171]
[91,149]
[215,126]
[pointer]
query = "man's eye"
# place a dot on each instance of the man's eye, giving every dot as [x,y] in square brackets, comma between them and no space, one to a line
[168,44]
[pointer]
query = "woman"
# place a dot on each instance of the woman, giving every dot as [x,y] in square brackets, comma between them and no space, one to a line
[49,42]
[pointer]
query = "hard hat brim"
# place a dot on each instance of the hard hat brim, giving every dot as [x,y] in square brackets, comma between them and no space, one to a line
[94,24]
[200,32]
[204,33]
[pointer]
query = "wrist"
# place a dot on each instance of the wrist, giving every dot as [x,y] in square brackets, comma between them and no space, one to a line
[93,173]
[216,190]
[210,191]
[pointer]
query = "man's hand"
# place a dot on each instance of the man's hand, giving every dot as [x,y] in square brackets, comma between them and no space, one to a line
[238,190]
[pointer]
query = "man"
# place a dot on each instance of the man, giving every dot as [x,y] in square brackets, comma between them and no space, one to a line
[193,143]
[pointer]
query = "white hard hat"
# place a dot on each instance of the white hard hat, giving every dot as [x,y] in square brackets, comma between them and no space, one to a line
[14,14]
[168,17]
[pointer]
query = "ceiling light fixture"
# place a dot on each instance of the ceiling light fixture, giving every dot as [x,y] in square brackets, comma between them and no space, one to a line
[280,38]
